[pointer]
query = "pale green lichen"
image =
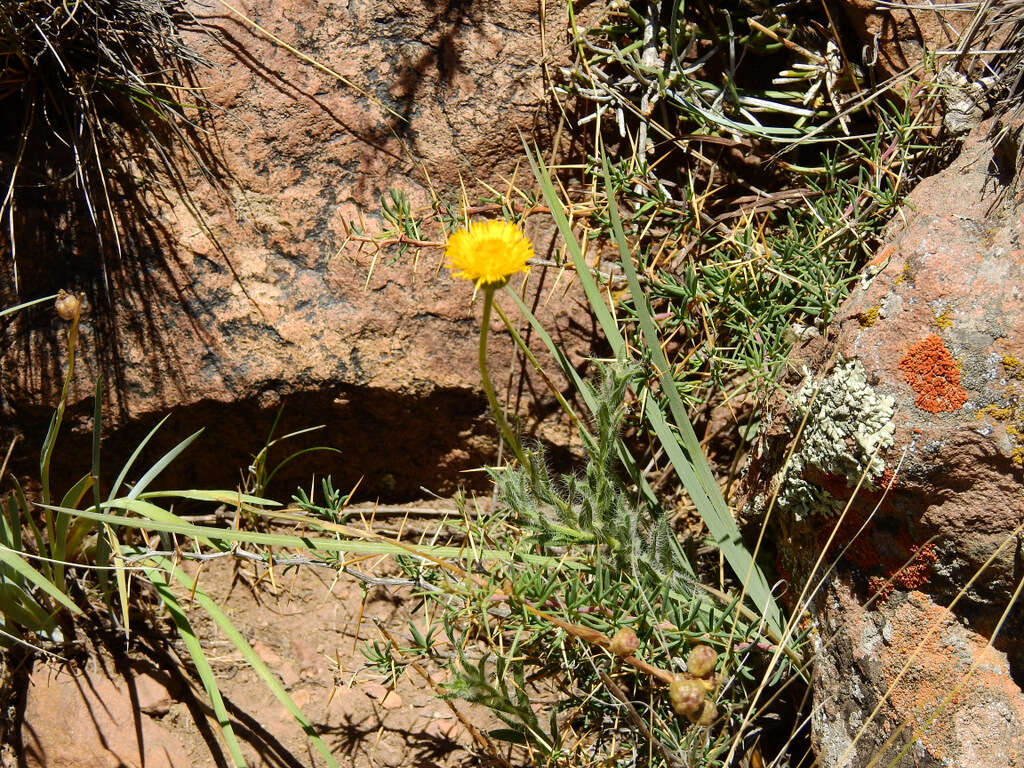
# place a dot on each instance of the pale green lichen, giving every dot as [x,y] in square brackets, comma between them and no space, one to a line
[849,425]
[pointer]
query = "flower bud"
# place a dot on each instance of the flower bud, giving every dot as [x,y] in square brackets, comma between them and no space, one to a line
[702,661]
[624,642]
[708,714]
[67,305]
[687,697]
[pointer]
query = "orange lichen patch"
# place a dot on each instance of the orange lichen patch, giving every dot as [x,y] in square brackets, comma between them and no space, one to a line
[919,570]
[914,575]
[934,376]
[889,560]
[881,588]
[882,258]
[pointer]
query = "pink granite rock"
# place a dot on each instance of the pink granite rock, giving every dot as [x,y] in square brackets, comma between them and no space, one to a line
[279,308]
[98,718]
[936,328]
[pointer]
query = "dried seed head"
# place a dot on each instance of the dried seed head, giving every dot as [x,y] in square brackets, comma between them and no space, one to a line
[67,305]
[687,697]
[624,642]
[702,661]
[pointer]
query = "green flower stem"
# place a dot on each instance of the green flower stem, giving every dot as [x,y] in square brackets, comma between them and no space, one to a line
[528,353]
[499,414]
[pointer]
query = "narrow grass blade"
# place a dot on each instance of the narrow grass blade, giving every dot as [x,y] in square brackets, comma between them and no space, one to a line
[15,562]
[12,523]
[261,669]
[116,487]
[21,611]
[310,543]
[219,497]
[583,274]
[288,459]
[58,547]
[28,518]
[102,550]
[151,511]
[195,650]
[684,450]
[24,305]
[161,464]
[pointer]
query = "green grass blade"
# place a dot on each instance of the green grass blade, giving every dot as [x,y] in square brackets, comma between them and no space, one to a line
[219,497]
[20,610]
[107,536]
[691,444]
[49,443]
[161,465]
[195,650]
[116,487]
[12,523]
[15,562]
[28,518]
[24,305]
[555,351]
[309,543]
[121,578]
[290,458]
[583,274]
[683,447]
[102,550]
[261,669]
[58,547]
[151,511]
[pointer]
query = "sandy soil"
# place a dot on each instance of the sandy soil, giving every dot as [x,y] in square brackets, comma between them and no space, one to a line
[139,709]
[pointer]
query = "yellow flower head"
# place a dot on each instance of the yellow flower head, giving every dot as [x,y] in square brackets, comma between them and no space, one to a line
[488,252]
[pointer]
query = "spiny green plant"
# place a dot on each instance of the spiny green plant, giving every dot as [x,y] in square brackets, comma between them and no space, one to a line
[533,639]
[592,506]
[333,505]
[757,163]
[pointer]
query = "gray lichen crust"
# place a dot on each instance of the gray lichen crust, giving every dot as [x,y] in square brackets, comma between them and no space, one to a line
[849,424]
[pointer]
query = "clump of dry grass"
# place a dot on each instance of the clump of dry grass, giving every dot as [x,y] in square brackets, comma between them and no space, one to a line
[95,98]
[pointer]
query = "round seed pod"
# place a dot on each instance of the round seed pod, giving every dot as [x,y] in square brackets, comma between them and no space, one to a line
[624,642]
[708,714]
[687,697]
[702,661]
[67,305]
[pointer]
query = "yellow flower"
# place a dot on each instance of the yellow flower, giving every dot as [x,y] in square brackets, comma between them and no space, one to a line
[488,252]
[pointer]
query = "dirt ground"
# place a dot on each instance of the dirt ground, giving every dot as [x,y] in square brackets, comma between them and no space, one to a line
[141,709]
